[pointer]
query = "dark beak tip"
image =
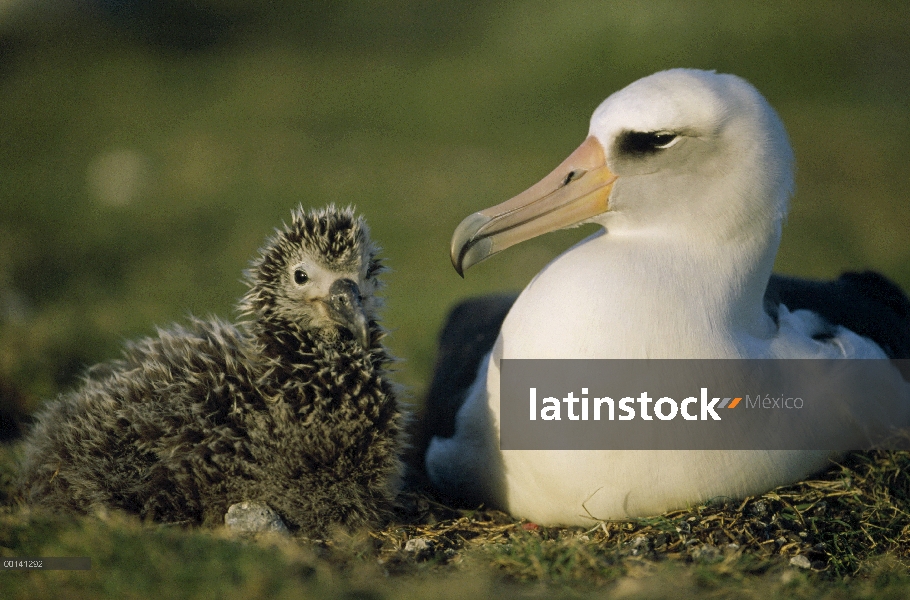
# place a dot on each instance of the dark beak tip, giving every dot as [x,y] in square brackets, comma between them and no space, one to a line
[362,336]
[469,244]
[456,264]
[345,307]
[359,331]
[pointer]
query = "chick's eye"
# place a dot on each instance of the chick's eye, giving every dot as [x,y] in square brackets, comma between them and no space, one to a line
[300,277]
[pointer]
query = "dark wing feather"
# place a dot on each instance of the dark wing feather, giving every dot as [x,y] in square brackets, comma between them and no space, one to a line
[468,335]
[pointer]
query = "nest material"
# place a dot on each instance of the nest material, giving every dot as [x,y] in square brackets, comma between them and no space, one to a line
[856,510]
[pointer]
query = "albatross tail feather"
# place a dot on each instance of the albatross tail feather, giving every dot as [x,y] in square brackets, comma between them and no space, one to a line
[866,303]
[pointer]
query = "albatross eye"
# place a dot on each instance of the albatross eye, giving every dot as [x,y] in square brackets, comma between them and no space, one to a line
[300,277]
[664,140]
[643,143]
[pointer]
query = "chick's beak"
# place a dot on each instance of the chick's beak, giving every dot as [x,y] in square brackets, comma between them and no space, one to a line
[346,309]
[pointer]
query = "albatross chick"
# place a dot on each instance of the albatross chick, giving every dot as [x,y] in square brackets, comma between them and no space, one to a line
[290,408]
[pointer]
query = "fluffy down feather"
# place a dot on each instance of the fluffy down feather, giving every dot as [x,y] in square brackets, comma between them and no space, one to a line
[285,407]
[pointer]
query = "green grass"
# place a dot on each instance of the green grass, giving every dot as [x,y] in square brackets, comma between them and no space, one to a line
[137,179]
[849,525]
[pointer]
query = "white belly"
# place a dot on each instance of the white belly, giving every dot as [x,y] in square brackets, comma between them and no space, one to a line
[558,316]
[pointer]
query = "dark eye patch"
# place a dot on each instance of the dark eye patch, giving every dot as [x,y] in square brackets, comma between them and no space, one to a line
[643,143]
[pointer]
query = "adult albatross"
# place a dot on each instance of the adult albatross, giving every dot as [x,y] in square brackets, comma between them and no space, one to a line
[689,174]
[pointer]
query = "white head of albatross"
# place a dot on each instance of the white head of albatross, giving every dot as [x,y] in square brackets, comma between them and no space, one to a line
[689,173]
[679,150]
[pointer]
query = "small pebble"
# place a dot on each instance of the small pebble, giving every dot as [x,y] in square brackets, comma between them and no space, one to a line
[253,517]
[418,545]
[759,508]
[800,561]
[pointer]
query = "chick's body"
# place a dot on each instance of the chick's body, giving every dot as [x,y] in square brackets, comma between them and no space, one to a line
[291,407]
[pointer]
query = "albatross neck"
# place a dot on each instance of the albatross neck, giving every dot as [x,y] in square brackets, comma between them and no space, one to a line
[647,294]
[722,278]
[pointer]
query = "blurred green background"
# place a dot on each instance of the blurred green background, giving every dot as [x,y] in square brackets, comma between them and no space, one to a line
[148,148]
